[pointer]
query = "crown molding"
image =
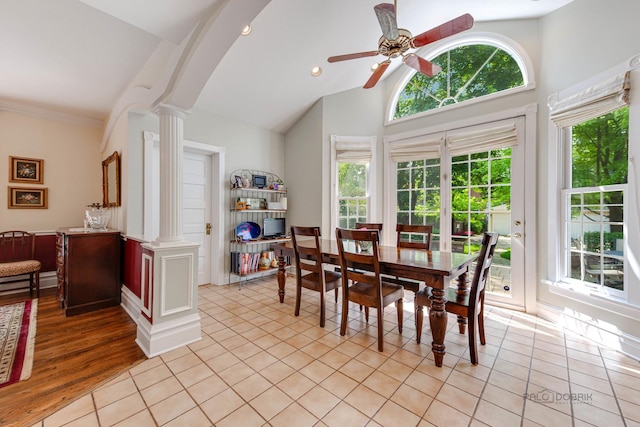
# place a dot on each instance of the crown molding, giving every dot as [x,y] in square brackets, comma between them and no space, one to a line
[51,114]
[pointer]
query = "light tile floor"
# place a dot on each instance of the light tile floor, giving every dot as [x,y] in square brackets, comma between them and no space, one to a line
[259,365]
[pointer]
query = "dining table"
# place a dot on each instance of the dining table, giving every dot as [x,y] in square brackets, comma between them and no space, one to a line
[437,269]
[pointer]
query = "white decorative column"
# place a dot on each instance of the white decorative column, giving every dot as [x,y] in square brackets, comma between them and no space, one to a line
[171,154]
[169,315]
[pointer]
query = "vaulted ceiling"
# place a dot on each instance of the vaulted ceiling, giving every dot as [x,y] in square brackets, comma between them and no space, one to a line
[81,56]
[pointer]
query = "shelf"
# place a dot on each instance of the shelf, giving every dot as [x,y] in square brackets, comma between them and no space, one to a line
[245,254]
[262,190]
[259,210]
[261,241]
[255,273]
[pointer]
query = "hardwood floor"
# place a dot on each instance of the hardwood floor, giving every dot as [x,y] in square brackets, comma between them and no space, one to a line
[73,355]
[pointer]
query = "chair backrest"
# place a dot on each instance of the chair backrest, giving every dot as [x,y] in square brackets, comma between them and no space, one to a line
[352,260]
[308,257]
[17,246]
[369,225]
[481,273]
[424,230]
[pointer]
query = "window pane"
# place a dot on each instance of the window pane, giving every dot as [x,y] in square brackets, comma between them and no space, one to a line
[501,171]
[459,174]
[417,178]
[403,200]
[595,243]
[421,204]
[403,179]
[502,152]
[599,150]
[342,208]
[483,155]
[352,179]
[468,72]
[576,266]
[432,177]
[501,197]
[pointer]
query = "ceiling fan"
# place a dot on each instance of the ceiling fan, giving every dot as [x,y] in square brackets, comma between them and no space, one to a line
[397,41]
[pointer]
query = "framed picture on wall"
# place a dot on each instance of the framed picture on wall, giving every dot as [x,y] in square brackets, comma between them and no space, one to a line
[27,198]
[26,170]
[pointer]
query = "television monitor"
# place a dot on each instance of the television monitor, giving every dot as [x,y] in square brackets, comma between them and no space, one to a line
[273,228]
[259,181]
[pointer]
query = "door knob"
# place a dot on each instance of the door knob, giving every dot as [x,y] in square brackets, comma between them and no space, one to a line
[208,228]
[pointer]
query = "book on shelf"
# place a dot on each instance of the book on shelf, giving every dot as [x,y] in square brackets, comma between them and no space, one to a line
[247,262]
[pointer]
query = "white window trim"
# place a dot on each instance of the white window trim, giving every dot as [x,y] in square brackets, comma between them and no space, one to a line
[434,49]
[372,199]
[556,180]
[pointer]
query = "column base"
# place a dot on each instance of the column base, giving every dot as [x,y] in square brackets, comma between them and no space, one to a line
[158,339]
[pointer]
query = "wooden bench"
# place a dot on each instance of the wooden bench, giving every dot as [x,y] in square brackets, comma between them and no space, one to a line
[17,258]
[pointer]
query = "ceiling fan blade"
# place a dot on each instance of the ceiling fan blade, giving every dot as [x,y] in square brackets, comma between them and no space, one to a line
[455,26]
[427,68]
[386,14]
[377,74]
[352,56]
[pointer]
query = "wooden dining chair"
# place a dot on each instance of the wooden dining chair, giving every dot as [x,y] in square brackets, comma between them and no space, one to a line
[365,287]
[469,306]
[17,258]
[424,231]
[369,225]
[310,272]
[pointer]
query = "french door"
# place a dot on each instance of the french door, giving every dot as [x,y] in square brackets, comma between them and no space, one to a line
[470,181]
[486,194]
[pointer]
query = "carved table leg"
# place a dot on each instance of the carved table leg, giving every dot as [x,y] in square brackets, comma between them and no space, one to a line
[438,323]
[461,293]
[281,277]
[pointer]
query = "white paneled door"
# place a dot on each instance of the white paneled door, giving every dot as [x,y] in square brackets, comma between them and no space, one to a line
[196,212]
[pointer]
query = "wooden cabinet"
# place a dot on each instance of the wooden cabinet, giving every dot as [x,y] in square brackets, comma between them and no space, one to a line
[88,269]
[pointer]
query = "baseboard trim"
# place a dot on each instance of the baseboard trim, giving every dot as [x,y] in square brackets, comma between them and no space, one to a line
[130,303]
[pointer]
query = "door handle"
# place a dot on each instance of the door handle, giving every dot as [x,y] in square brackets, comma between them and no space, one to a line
[208,228]
[517,235]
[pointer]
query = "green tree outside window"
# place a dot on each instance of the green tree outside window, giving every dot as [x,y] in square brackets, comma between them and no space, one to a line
[468,72]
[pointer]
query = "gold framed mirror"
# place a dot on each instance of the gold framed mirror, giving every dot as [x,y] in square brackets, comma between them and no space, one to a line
[111,181]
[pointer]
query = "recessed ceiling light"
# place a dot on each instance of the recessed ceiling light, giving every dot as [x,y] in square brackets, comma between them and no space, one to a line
[246,30]
[316,71]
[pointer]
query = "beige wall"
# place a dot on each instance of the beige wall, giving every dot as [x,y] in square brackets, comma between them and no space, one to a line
[304,170]
[72,170]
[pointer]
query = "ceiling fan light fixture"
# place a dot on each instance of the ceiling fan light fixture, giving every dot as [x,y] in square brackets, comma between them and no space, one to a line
[316,71]
[246,30]
[396,42]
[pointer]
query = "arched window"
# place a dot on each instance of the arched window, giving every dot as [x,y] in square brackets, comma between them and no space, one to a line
[471,68]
